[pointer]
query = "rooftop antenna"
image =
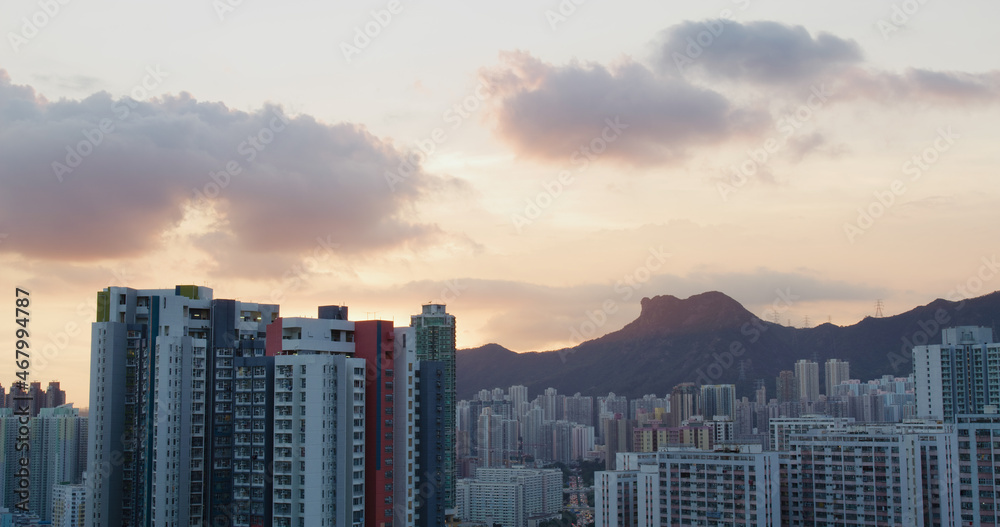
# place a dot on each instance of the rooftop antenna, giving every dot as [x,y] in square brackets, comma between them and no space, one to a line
[878,308]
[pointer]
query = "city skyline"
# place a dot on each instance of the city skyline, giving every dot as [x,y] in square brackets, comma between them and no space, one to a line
[296,115]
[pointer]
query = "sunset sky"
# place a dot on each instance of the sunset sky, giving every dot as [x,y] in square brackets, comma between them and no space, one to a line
[526,162]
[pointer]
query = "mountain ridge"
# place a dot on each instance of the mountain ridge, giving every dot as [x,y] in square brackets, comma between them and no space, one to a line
[712,338]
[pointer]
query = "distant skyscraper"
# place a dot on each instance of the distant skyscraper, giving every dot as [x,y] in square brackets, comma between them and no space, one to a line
[579,409]
[787,387]
[56,437]
[717,399]
[56,454]
[957,376]
[518,399]
[435,341]
[490,439]
[807,375]
[54,396]
[683,403]
[836,371]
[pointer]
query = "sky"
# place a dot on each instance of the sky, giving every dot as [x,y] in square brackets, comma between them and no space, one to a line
[540,166]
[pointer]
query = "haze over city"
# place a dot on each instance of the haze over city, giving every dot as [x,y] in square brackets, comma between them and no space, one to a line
[526,163]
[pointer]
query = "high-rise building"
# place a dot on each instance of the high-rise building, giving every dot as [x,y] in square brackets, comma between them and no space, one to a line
[612,405]
[319,440]
[836,372]
[518,396]
[406,410]
[160,397]
[429,505]
[579,409]
[781,429]
[55,453]
[552,403]
[490,445]
[509,496]
[435,341]
[654,407]
[375,343]
[210,411]
[683,403]
[618,438]
[977,486]
[854,477]
[235,375]
[57,435]
[54,395]
[533,434]
[807,376]
[717,399]
[68,505]
[37,397]
[627,497]
[684,486]
[957,376]
[787,387]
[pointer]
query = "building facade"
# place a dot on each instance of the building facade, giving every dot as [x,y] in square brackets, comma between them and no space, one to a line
[959,375]
[435,341]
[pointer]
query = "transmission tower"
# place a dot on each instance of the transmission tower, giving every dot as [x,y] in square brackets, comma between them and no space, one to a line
[878,308]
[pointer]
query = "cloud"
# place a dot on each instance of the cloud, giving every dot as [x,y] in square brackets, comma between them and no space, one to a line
[676,107]
[550,112]
[762,52]
[922,86]
[291,180]
[76,83]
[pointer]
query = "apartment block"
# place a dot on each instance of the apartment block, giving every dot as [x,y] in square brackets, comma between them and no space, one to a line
[958,376]
[860,476]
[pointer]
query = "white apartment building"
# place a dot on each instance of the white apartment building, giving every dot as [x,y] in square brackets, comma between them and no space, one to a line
[958,376]
[627,498]
[68,505]
[686,486]
[319,424]
[781,429]
[510,496]
[860,476]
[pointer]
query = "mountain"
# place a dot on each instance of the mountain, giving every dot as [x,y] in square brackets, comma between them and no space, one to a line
[711,338]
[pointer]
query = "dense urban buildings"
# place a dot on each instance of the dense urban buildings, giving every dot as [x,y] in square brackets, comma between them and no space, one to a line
[221,412]
[34,398]
[57,453]
[872,457]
